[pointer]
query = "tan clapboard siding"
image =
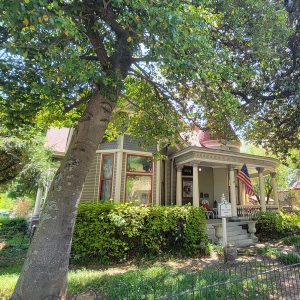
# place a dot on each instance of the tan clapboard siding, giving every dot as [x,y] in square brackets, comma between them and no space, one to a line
[91,186]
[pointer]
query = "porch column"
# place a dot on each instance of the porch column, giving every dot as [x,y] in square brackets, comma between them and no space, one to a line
[196,194]
[232,191]
[242,193]
[179,186]
[38,200]
[158,183]
[261,189]
[273,176]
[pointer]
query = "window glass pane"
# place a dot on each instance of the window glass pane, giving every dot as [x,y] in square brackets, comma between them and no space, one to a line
[138,188]
[107,166]
[105,190]
[139,164]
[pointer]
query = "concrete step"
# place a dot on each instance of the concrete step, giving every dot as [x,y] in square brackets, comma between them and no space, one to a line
[232,227]
[241,243]
[230,231]
[238,237]
[244,243]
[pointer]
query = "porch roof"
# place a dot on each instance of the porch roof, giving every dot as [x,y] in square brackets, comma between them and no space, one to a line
[219,158]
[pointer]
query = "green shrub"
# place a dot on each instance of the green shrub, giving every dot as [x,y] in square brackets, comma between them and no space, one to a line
[291,221]
[291,240]
[116,232]
[275,225]
[285,258]
[11,227]
[289,258]
[269,225]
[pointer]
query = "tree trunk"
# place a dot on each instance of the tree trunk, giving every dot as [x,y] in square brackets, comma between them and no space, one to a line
[45,270]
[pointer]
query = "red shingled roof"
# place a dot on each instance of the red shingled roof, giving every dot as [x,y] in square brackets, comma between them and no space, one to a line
[57,139]
[296,185]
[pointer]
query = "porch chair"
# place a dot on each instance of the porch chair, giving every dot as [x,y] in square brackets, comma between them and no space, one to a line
[208,211]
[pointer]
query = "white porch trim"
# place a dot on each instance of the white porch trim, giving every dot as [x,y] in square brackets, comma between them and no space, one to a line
[232,191]
[179,186]
[261,188]
[196,194]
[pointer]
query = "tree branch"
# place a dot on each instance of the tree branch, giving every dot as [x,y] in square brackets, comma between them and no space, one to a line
[81,100]
[89,57]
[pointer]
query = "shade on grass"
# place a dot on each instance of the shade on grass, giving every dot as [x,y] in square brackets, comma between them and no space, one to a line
[156,281]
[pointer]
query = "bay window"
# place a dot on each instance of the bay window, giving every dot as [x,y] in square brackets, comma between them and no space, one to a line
[106,176]
[139,173]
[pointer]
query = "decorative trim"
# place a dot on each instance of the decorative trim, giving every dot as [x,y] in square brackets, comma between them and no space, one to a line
[179,168]
[260,170]
[221,156]
[126,151]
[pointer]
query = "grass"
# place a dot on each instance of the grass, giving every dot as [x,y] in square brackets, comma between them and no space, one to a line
[285,258]
[13,248]
[149,279]
[293,240]
[154,281]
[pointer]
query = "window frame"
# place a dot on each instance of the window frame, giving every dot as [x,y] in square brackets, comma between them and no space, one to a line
[139,155]
[136,173]
[102,173]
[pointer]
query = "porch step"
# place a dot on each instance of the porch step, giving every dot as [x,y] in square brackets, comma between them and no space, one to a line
[236,235]
[241,243]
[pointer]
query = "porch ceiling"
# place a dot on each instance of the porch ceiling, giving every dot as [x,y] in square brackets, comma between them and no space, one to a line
[221,158]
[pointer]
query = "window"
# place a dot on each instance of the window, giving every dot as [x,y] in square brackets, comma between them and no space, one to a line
[140,164]
[106,176]
[139,179]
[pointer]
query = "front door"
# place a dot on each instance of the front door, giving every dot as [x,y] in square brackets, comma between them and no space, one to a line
[187,191]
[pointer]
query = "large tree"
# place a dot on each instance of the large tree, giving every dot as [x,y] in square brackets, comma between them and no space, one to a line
[75,61]
[274,102]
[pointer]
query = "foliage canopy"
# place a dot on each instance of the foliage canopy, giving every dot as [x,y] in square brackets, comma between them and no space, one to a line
[230,61]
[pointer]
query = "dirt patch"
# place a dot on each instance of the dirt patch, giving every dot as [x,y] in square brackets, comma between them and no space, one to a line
[276,245]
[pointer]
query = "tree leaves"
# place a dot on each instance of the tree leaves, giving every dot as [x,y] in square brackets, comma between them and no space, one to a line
[197,58]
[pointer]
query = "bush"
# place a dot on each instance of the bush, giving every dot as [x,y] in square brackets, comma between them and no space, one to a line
[291,240]
[11,227]
[22,206]
[291,222]
[275,225]
[269,224]
[285,258]
[116,232]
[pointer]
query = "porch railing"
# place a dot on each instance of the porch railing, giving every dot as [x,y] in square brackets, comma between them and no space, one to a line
[271,207]
[249,211]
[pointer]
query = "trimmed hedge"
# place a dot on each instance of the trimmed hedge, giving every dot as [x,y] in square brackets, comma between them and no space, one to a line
[117,232]
[10,227]
[275,225]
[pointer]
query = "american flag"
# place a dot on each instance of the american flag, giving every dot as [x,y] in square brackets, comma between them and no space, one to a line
[244,177]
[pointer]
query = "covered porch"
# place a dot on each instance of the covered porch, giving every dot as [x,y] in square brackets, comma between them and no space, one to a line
[202,175]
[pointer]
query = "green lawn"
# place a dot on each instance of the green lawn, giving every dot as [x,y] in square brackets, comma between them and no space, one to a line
[153,279]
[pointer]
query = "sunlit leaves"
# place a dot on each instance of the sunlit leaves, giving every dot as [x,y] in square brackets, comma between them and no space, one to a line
[186,60]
